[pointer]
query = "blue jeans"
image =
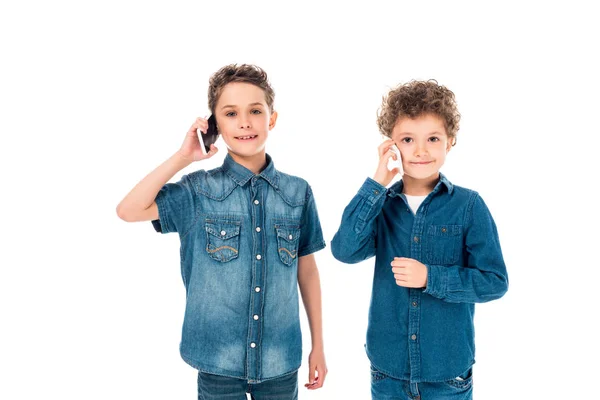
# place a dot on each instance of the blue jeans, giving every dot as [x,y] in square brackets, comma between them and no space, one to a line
[215,387]
[384,387]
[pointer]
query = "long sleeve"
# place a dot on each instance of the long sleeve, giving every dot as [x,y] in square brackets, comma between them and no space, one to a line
[355,239]
[484,277]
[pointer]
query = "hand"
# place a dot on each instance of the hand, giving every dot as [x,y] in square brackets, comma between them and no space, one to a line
[190,149]
[409,272]
[316,362]
[383,175]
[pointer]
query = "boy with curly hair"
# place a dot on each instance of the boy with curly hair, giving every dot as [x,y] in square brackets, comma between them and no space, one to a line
[436,249]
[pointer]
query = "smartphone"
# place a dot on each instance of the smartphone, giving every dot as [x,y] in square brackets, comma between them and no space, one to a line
[395,163]
[211,135]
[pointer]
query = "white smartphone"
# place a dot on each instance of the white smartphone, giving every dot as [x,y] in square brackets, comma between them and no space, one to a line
[395,163]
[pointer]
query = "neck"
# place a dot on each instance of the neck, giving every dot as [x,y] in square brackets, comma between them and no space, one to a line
[419,187]
[255,163]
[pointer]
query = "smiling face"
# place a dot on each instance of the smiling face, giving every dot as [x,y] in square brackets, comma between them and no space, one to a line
[423,144]
[244,121]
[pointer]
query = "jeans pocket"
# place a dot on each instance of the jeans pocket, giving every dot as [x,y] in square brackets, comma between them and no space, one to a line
[463,381]
[222,239]
[288,237]
[377,375]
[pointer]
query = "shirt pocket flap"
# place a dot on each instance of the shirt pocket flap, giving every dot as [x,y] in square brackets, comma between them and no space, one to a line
[222,229]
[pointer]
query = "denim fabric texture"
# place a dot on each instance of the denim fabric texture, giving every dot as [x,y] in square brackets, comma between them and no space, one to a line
[214,387]
[241,236]
[384,387]
[425,334]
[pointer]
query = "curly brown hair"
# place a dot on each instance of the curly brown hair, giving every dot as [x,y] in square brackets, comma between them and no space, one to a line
[415,99]
[247,73]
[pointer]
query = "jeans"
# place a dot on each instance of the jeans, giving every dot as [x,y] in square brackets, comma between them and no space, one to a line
[384,387]
[215,387]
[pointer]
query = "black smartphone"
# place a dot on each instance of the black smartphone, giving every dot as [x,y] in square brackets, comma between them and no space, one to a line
[211,135]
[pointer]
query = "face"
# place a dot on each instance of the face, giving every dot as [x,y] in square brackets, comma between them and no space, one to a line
[423,144]
[244,119]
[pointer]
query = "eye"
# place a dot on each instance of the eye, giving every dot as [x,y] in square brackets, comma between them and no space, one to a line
[255,111]
[434,139]
[406,140]
[230,114]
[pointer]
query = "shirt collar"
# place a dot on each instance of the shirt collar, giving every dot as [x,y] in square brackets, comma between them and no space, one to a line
[241,175]
[396,189]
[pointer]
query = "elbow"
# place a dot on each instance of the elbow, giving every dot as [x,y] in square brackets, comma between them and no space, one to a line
[341,253]
[499,290]
[503,286]
[123,213]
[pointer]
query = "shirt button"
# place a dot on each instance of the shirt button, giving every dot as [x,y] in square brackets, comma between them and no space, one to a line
[414,303]
[253,345]
[257,289]
[256,202]
[416,239]
[375,191]
[290,237]
[258,229]
[443,230]
[223,233]
[258,257]
[414,337]
[256,317]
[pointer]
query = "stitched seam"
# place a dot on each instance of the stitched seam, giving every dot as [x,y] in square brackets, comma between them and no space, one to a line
[221,248]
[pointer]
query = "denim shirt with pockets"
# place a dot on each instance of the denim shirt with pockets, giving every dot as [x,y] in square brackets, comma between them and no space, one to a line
[426,334]
[241,236]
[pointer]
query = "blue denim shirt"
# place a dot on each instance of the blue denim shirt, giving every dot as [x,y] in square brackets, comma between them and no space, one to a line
[423,335]
[241,236]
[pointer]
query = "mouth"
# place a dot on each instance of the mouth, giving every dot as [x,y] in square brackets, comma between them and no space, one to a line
[247,137]
[421,163]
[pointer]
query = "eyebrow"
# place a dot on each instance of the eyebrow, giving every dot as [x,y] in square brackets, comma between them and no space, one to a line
[251,105]
[428,134]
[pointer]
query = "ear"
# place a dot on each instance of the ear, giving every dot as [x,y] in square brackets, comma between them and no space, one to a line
[273,120]
[451,142]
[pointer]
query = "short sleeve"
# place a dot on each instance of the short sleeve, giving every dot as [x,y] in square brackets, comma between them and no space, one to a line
[311,235]
[176,206]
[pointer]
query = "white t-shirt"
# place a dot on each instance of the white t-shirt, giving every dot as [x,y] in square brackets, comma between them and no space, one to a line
[414,202]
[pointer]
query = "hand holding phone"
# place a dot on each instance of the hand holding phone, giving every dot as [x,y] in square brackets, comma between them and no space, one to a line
[390,163]
[211,135]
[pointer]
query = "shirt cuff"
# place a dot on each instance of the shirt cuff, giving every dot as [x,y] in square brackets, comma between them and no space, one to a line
[437,281]
[372,190]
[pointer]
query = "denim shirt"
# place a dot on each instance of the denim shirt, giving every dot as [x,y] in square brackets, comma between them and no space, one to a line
[426,334]
[241,236]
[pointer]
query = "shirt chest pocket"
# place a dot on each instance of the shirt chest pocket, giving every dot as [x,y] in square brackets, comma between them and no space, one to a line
[288,237]
[444,244]
[222,239]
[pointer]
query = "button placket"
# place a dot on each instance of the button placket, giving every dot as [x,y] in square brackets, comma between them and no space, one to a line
[258,273]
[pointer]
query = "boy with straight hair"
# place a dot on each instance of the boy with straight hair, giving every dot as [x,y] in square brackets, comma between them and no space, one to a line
[436,249]
[247,235]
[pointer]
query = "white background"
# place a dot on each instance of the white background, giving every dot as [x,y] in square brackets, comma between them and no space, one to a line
[93,95]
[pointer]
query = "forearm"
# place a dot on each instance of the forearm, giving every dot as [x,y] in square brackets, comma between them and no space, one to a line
[144,193]
[310,290]
[355,239]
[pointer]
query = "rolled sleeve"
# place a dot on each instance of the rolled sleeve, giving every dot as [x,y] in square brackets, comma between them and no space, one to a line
[311,235]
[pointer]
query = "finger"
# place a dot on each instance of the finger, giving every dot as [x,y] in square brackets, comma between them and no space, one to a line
[311,375]
[384,146]
[320,380]
[213,150]
[315,385]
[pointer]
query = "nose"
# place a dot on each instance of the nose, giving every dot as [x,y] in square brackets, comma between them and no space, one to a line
[244,123]
[420,150]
